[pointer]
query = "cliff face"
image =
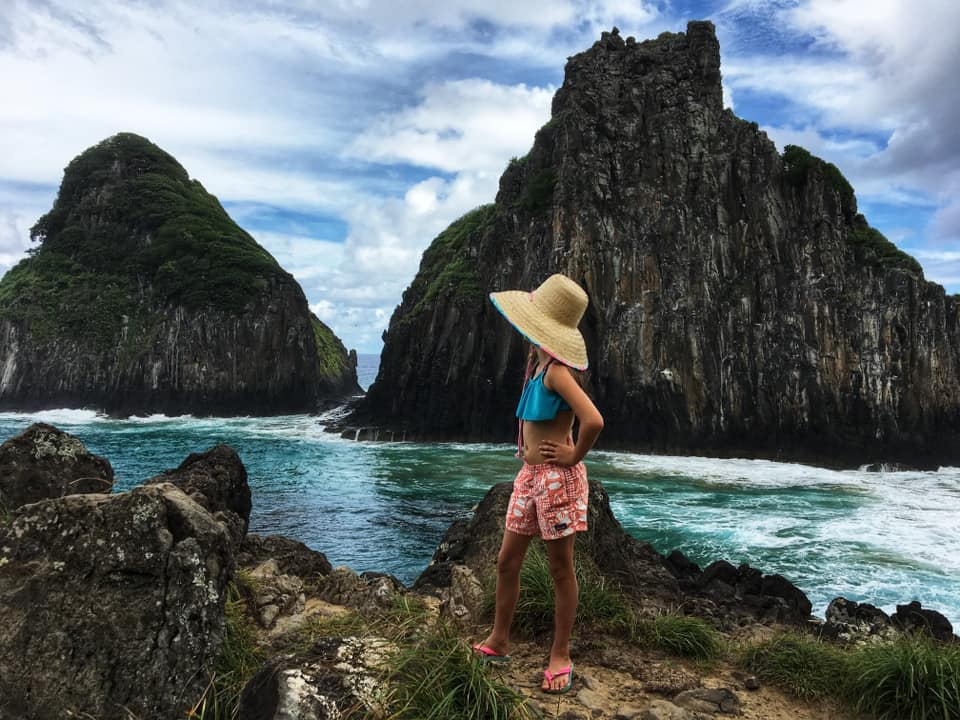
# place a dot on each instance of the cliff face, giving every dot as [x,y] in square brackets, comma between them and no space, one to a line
[144,296]
[738,302]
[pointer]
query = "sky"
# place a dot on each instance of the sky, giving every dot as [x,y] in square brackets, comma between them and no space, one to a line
[344,135]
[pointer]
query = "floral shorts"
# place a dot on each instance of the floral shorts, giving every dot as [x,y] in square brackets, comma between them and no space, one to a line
[549,500]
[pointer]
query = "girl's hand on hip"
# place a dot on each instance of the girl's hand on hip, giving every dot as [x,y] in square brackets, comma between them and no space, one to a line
[559,453]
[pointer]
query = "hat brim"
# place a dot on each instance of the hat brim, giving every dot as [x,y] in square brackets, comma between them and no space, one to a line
[561,343]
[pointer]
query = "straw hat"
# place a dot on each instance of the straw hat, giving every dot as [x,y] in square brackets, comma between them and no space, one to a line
[548,317]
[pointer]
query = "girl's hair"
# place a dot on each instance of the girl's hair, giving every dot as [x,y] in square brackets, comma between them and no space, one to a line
[578,375]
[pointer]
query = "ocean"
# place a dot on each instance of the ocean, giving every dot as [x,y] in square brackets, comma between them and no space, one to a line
[884,538]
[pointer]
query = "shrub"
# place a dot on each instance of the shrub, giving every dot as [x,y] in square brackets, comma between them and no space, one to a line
[911,678]
[438,677]
[798,163]
[538,196]
[873,247]
[807,667]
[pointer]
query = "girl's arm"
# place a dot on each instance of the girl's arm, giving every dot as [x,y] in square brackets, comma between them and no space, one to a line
[561,381]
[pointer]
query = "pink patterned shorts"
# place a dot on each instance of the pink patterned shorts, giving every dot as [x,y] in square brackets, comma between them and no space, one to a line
[549,500]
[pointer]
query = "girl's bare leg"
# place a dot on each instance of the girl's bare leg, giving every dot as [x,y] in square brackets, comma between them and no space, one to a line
[512,551]
[560,557]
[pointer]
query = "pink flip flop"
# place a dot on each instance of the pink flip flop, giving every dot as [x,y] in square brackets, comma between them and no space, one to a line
[487,655]
[568,671]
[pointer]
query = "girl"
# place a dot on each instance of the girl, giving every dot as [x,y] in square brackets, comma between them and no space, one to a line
[550,492]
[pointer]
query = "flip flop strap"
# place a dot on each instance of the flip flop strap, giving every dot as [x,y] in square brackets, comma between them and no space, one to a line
[551,676]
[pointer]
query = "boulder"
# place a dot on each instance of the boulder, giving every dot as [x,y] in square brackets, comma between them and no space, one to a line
[849,621]
[914,618]
[275,594]
[43,462]
[336,678]
[733,595]
[216,480]
[292,557]
[709,700]
[111,605]
[367,592]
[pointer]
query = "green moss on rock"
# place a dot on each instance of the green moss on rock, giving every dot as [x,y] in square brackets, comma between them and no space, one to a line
[873,248]
[798,163]
[538,196]
[446,269]
[330,350]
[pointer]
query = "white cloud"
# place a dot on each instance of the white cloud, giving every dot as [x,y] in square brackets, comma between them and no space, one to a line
[459,125]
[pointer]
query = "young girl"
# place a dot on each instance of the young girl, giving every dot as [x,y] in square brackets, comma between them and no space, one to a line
[550,492]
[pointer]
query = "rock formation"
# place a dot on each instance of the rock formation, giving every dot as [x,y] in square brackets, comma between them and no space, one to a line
[43,462]
[144,296]
[111,604]
[738,301]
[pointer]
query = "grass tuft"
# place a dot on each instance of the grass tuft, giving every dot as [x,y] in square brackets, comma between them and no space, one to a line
[805,666]
[681,635]
[601,604]
[437,677]
[911,678]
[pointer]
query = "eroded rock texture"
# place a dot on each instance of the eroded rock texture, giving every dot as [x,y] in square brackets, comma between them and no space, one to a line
[43,462]
[110,605]
[738,302]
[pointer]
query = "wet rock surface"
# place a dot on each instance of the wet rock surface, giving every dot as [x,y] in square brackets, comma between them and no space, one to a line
[110,604]
[43,462]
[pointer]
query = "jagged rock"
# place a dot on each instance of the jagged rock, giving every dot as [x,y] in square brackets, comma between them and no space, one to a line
[292,557]
[275,594]
[885,467]
[791,329]
[216,480]
[187,313]
[914,618]
[850,621]
[664,710]
[475,543]
[740,593]
[463,601]
[43,462]
[110,604]
[665,679]
[709,700]
[338,678]
[366,592]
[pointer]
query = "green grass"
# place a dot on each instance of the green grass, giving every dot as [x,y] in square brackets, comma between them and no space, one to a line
[601,604]
[688,637]
[239,659]
[798,163]
[805,666]
[873,247]
[330,350]
[908,679]
[438,677]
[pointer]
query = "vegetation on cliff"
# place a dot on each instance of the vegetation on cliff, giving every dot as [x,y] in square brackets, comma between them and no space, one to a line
[870,245]
[446,268]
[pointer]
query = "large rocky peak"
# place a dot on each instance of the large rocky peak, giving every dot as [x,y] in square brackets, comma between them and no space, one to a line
[738,301]
[145,296]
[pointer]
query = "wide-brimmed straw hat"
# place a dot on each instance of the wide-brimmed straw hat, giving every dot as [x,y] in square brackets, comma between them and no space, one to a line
[548,317]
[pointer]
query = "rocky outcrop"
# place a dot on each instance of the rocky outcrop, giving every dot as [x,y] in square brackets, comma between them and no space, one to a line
[292,557]
[738,301]
[852,622]
[475,543]
[111,605]
[43,462]
[337,678]
[217,481]
[738,595]
[145,297]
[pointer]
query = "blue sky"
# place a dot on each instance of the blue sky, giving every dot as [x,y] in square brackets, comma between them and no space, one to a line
[345,134]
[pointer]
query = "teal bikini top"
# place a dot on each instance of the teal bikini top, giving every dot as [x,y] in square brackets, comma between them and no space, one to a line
[537,402]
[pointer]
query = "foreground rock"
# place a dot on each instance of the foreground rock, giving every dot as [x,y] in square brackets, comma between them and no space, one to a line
[111,605]
[217,481]
[43,462]
[337,678]
[730,596]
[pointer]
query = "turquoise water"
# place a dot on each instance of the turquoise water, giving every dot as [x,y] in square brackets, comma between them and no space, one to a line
[878,537]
